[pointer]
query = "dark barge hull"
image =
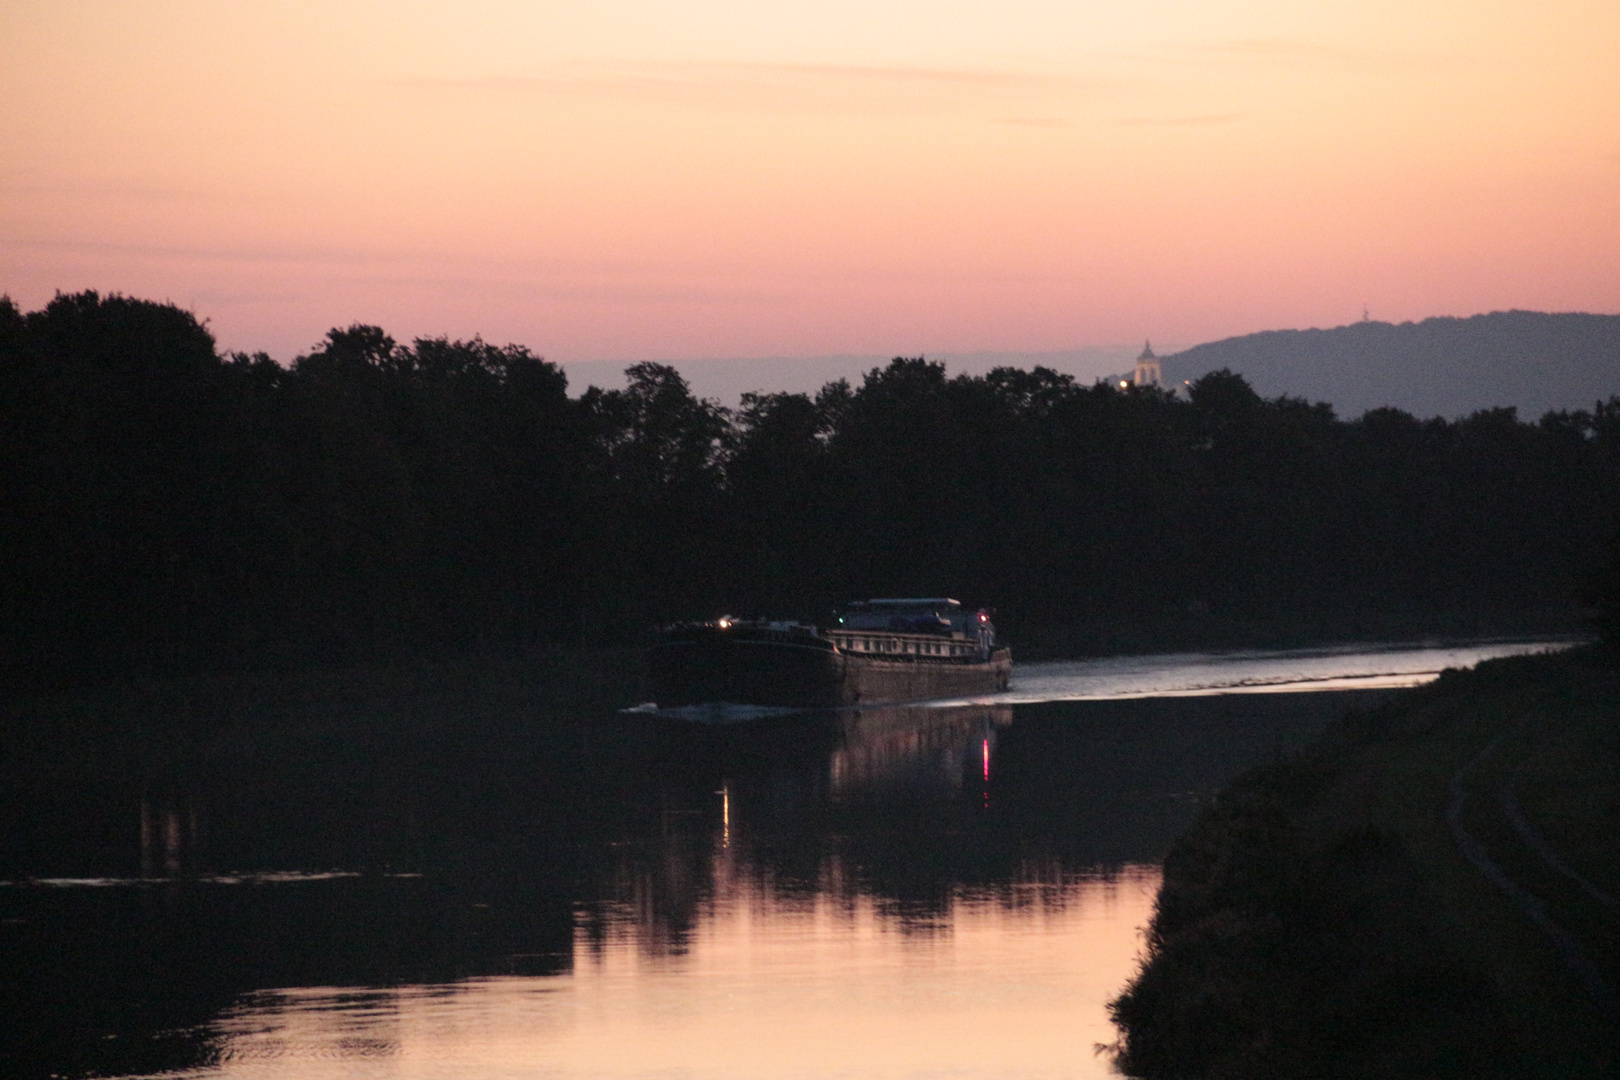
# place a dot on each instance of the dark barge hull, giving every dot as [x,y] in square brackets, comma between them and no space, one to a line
[715,666]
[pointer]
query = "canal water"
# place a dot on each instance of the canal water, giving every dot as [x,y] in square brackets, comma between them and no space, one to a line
[479,890]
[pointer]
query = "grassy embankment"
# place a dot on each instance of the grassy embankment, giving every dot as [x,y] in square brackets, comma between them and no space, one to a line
[1371,908]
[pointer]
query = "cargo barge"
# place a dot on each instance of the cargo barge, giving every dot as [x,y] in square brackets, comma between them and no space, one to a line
[879,651]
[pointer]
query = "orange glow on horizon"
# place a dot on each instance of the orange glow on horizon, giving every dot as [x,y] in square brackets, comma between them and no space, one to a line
[634,181]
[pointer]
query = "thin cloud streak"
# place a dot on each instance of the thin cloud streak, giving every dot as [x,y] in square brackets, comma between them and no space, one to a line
[166,251]
[29,183]
[729,74]
[772,84]
[1177,121]
[606,284]
[1292,50]
[1033,121]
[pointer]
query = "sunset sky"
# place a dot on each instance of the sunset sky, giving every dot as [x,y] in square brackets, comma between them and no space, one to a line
[626,179]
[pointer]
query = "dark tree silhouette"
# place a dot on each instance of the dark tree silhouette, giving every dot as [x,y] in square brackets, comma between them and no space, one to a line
[166,509]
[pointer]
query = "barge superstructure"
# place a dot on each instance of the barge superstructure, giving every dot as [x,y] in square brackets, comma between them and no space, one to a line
[885,650]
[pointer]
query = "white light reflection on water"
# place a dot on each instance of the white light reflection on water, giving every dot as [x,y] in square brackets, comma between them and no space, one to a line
[1359,666]
[1343,667]
[1005,982]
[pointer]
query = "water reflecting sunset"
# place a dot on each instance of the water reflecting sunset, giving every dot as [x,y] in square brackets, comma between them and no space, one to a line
[1007,981]
[914,891]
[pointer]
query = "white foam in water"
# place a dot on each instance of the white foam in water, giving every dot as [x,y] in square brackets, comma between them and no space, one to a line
[271,877]
[1122,678]
[715,712]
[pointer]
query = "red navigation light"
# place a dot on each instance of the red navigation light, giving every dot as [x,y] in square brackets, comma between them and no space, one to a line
[983,617]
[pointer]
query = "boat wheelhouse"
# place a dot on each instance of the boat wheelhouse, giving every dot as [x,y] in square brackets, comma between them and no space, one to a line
[879,651]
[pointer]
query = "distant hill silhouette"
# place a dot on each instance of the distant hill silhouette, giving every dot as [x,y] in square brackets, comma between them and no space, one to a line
[1437,367]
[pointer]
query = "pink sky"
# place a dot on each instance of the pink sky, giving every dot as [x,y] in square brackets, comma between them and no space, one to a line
[634,180]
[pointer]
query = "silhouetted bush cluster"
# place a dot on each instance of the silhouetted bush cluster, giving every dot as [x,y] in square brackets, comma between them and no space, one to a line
[1277,952]
[170,509]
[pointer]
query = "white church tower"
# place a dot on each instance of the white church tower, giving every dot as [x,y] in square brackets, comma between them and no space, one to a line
[1148,372]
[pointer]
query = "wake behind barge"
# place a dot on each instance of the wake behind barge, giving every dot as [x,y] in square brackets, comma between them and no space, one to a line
[880,651]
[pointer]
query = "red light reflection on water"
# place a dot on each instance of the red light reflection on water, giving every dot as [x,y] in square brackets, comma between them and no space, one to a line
[987,773]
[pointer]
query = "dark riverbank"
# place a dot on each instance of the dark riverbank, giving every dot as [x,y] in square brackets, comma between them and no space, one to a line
[1427,891]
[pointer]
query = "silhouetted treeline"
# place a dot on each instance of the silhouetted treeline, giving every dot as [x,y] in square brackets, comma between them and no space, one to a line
[168,509]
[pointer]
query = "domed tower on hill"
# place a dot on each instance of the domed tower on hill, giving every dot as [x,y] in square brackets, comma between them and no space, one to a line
[1148,372]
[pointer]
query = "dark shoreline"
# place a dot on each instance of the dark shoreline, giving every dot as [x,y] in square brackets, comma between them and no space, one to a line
[1319,919]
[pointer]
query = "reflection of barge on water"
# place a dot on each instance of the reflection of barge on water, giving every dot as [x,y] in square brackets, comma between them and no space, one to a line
[880,651]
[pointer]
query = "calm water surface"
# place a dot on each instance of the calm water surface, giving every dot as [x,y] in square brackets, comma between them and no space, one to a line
[470,890]
[995,982]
